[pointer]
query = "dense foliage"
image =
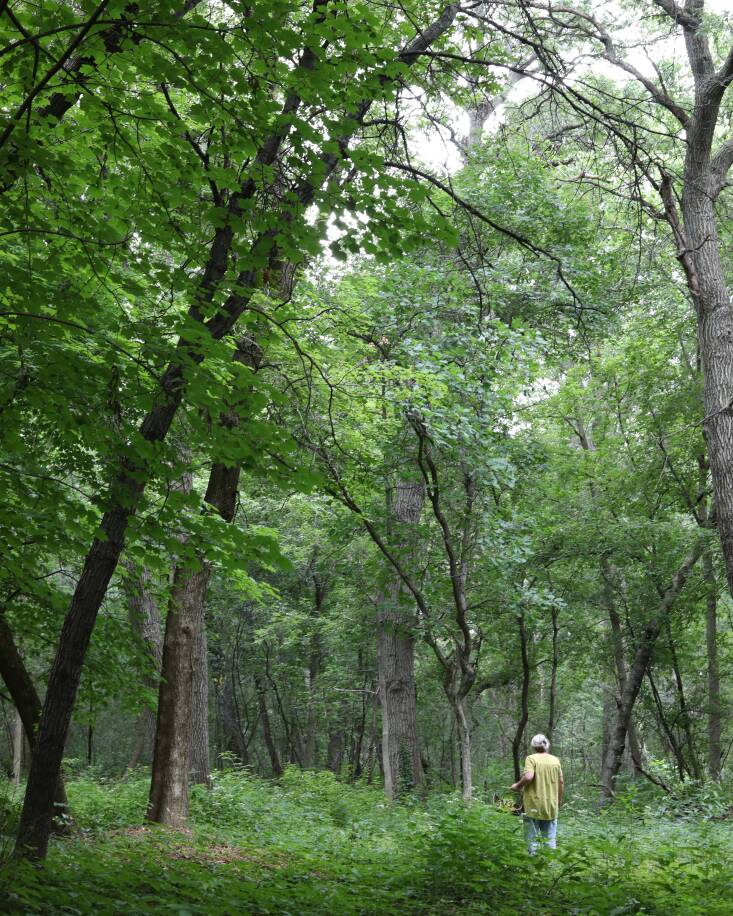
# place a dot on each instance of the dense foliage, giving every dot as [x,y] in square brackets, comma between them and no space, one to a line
[366,379]
[314,845]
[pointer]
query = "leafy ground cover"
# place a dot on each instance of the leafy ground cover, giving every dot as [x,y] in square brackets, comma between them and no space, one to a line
[313,845]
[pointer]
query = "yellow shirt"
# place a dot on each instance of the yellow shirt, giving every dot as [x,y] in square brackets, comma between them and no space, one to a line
[542,795]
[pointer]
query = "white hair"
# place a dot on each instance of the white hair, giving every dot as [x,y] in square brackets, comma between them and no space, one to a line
[540,741]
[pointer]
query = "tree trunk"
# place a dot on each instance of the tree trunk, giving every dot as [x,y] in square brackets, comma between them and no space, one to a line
[315,661]
[401,759]
[16,740]
[711,640]
[715,333]
[335,749]
[552,713]
[277,769]
[524,707]
[168,800]
[311,724]
[373,749]
[396,668]
[357,755]
[609,710]
[199,764]
[617,742]
[464,744]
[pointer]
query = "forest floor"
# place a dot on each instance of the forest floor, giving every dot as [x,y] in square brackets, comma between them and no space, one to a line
[312,845]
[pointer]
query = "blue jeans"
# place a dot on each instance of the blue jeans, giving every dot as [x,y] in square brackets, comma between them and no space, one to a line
[536,831]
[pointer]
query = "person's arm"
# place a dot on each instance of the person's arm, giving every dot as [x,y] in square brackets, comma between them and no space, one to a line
[528,775]
[524,781]
[561,789]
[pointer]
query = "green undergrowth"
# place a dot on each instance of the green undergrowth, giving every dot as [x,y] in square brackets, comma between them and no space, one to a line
[314,845]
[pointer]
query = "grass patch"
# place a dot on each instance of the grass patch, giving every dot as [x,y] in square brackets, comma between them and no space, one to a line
[313,845]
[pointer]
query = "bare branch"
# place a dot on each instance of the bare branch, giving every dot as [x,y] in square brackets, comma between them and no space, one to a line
[657,91]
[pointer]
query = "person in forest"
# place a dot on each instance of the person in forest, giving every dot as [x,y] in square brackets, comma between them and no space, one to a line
[542,788]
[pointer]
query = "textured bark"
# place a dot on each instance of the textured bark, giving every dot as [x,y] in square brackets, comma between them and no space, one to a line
[698,250]
[464,745]
[168,800]
[715,319]
[617,739]
[133,472]
[401,759]
[199,763]
[711,640]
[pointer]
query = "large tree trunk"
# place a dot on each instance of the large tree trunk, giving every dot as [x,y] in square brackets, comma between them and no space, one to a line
[698,250]
[617,739]
[199,763]
[401,758]
[396,668]
[464,744]
[711,640]
[168,801]
[715,332]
